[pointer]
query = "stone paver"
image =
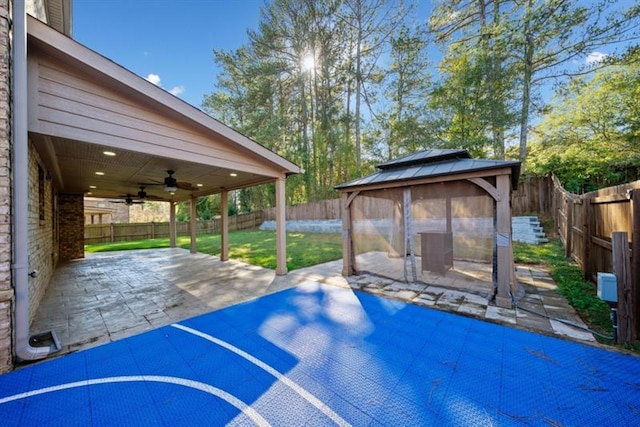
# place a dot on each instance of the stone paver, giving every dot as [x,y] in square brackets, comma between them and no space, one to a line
[109,296]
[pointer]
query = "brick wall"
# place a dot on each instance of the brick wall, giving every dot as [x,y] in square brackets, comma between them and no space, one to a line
[71,226]
[6,289]
[42,248]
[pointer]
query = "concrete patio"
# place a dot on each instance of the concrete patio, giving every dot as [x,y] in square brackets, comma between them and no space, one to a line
[113,295]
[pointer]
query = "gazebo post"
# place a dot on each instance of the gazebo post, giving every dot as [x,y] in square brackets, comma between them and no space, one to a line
[172,224]
[505,251]
[348,267]
[224,225]
[192,225]
[281,228]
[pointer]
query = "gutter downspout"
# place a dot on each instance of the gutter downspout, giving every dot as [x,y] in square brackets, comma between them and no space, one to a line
[20,185]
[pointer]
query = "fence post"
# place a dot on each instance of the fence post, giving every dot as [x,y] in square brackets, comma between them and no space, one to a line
[588,232]
[634,196]
[569,231]
[111,233]
[622,270]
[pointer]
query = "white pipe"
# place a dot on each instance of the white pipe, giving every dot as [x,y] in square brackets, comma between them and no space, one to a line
[20,185]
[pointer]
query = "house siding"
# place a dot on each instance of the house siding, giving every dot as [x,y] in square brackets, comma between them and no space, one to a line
[6,288]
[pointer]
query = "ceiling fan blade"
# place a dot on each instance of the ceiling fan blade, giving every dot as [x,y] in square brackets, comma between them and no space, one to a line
[185,186]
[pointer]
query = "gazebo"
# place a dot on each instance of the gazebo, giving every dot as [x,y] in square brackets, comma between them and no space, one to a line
[440,207]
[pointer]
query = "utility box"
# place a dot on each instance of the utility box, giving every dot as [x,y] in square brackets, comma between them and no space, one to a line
[607,287]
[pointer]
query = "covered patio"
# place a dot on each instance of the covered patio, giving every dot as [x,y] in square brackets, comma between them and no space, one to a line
[96,129]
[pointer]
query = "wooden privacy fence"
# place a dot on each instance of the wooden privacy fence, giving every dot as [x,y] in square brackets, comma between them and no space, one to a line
[586,225]
[103,233]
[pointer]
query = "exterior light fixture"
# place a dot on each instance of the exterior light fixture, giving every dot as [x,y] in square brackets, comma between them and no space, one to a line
[233,174]
[100,173]
[108,153]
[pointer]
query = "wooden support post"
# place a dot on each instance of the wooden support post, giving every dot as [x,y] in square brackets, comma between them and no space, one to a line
[281,228]
[172,224]
[505,251]
[622,270]
[192,225]
[224,226]
[348,265]
[449,219]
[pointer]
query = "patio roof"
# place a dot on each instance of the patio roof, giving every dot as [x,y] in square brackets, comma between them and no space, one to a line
[82,104]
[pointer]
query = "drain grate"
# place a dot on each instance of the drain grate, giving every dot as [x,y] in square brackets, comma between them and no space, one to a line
[46,339]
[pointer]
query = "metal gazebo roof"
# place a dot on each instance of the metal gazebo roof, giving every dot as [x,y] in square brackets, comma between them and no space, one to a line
[431,163]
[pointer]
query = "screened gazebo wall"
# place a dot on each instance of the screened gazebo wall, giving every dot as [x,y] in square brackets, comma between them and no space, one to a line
[385,236]
[436,217]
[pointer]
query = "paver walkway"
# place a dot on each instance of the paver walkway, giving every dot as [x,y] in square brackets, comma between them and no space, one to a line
[110,296]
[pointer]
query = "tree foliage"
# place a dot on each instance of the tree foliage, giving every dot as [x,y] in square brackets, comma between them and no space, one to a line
[591,136]
[337,86]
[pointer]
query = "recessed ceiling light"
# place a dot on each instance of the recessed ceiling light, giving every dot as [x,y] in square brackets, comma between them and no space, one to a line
[233,174]
[92,186]
[100,173]
[198,185]
[108,153]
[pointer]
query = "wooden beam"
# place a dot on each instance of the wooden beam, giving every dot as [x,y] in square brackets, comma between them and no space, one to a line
[484,184]
[192,225]
[172,224]
[224,226]
[432,180]
[281,228]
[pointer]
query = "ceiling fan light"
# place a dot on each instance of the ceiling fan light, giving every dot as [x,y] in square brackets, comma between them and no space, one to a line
[170,189]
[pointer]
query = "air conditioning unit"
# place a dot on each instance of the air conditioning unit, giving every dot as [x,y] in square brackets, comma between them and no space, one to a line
[607,287]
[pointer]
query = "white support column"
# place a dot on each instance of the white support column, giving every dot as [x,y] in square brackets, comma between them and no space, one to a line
[281,228]
[172,224]
[224,226]
[192,225]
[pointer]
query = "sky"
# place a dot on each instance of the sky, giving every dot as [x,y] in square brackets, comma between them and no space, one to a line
[168,42]
[171,42]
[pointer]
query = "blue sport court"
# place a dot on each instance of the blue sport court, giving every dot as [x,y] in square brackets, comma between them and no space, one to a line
[319,355]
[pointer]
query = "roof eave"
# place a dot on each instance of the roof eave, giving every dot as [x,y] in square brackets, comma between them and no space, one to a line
[103,66]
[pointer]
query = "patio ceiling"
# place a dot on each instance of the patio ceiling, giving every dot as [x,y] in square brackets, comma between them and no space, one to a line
[82,105]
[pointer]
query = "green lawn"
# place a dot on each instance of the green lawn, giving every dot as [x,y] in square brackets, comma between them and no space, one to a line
[253,247]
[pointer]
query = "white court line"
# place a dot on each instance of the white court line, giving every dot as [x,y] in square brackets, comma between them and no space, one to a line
[229,398]
[291,384]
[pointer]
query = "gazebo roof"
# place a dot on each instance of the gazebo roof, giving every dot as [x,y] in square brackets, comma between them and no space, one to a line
[432,163]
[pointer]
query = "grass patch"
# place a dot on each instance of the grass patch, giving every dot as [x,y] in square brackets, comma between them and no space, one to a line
[253,247]
[581,294]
